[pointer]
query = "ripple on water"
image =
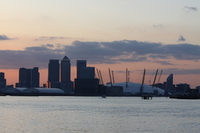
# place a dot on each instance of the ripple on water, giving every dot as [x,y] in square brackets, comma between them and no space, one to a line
[93,114]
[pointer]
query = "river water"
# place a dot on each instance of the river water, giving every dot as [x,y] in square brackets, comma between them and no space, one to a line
[98,115]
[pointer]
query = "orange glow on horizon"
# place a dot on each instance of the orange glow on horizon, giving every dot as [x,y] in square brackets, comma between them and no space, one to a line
[136,72]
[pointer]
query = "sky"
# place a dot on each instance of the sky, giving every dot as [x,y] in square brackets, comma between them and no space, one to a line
[115,34]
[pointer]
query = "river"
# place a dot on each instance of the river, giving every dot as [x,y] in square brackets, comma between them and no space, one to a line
[98,115]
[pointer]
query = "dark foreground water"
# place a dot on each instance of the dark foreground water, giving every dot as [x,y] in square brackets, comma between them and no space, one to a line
[98,115]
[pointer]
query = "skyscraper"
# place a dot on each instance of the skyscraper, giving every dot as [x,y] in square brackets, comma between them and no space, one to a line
[169,85]
[28,77]
[88,72]
[53,73]
[169,82]
[66,83]
[80,64]
[86,83]
[65,69]
[22,77]
[2,80]
[35,77]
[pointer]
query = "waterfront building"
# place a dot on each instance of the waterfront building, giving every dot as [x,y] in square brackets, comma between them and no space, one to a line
[86,86]
[86,83]
[66,83]
[35,91]
[198,89]
[170,81]
[169,84]
[35,77]
[28,77]
[88,72]
[65,69]
[83,71]
[182,87]
[80,64]
[2,80]
[53,73]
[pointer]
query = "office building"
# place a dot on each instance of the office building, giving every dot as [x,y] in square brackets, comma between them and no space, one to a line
[65,69]
[2,80]
[170,87]
[169,82]
[53,73]
[86,83]
[83,71]
[35,77]
[80,64]
[28,77]
[87,86]
[182,87]
[66,83]
[88,72]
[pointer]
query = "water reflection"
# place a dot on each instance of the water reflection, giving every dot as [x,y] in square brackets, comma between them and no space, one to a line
[94,114]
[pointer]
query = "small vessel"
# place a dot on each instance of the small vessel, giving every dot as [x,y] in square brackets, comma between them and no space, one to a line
[103,96]
[147,97]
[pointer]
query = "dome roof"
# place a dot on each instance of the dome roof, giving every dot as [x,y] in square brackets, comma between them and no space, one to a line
[33,91]
[13,90]
[134,88]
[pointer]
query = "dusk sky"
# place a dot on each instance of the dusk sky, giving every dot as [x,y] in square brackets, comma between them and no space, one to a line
[115,34]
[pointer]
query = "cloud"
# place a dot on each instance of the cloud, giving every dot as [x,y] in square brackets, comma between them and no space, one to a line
[158,25]
[190,8]
[181,39]
[50,45]
[131,51]
[177,71]
[29,57]
[163,62]
[4,37]
[45,38]
[99,53]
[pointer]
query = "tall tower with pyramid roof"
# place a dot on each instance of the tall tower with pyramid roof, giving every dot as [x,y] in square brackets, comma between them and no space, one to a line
[65,70]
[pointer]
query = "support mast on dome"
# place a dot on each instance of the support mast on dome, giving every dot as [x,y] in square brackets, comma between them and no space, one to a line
[141,88]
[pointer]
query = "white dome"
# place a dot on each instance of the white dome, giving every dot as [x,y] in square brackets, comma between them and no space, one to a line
[134,88]
[44,91]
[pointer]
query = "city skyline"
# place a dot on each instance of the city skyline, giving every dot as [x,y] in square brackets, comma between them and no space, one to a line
[111,34]
[59,75]
[58,78]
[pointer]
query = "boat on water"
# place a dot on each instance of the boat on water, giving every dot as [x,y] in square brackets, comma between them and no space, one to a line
[147,97]
[103,96]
